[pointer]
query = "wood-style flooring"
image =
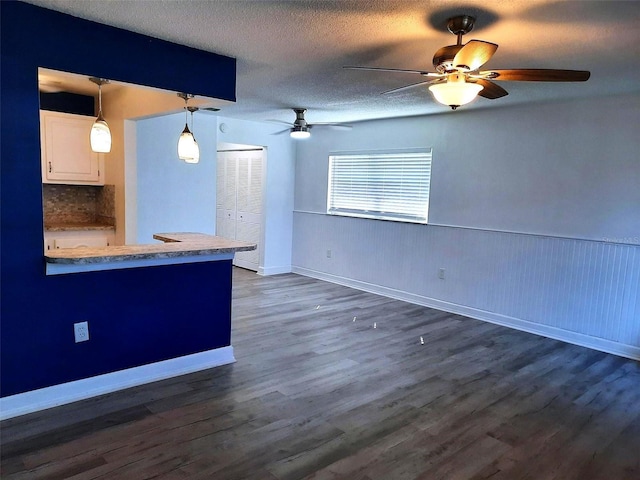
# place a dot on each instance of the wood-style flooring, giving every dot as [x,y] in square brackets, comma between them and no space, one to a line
[318,393]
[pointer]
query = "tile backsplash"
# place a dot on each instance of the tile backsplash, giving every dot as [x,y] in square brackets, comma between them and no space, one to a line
[106,210]
[78,204]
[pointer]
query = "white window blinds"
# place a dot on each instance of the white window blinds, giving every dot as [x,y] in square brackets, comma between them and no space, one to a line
[389,186]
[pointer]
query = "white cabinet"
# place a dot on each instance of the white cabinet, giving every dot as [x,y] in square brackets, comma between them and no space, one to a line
[78,238]
[239,201]
[66,150]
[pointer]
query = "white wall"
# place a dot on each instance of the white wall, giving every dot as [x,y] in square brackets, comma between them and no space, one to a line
[279,190]
[567,169]
[525,204]
[122,105]
[173,196]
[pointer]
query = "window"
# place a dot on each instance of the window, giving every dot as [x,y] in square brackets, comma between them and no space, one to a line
[387,186]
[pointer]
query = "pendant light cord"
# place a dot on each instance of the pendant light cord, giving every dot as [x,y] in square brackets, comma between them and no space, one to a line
[100,99]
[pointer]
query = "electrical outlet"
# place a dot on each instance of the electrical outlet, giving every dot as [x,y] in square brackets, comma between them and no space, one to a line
[328,253]
[81,331]
[441,273]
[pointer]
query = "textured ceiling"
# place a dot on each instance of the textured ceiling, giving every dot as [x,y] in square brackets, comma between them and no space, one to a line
[291,53]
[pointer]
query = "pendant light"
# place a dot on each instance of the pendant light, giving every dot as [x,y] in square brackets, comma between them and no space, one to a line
[100,133]
[188,149]
[456,91]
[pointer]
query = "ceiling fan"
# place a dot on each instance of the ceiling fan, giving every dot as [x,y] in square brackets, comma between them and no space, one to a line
[301,129]
[457,80]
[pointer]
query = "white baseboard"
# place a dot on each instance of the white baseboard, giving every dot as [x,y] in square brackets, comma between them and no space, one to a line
[35,400]
[274,270]
[595,343]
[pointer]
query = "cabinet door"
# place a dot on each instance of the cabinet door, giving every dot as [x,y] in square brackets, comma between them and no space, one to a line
[81,241]
[78,238]
[66,150]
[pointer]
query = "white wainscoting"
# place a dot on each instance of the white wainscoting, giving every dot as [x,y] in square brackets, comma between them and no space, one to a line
[579,291]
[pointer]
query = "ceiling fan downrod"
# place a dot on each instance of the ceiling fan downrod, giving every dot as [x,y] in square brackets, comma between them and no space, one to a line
[443,58]
[300,121]
[460,25]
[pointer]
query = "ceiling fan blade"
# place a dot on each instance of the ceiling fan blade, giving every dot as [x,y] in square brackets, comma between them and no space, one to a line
[273,120]
[281,131]
[393,70]
[538,75]
[333,126]
[474,54]
[407,87]
[491,90]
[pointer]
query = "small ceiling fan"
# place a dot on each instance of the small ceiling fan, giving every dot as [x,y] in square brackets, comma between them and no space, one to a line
[457,80]
[301,129]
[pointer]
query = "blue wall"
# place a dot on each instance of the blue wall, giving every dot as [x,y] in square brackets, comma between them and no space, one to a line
[135,316]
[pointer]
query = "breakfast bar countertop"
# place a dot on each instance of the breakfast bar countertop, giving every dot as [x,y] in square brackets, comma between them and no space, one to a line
[176,245]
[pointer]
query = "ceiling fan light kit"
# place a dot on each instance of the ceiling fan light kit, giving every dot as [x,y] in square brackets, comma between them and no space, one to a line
[301,129]
[457,80]
[300,132]
[456,91]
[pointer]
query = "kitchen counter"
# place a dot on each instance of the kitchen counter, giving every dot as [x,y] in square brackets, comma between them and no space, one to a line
[177,248]
[65,227]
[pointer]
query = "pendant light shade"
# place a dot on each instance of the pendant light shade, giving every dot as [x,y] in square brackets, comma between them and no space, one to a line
[100,133]
[456,91]
[100,136]
[188,149]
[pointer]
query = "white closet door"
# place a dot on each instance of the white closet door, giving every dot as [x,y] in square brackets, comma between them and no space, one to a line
[239,201]
[226,196]
[220,193]
[249,211]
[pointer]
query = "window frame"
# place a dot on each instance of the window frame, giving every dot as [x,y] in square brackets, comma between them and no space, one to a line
[410,215]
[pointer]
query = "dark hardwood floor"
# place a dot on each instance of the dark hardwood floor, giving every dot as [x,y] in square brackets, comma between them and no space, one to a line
[315,394]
